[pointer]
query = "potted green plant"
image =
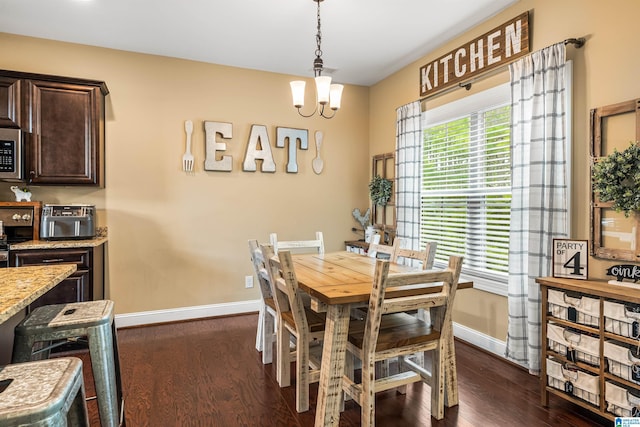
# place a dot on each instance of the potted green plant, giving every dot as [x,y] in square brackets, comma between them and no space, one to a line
[380,190]
[616,178]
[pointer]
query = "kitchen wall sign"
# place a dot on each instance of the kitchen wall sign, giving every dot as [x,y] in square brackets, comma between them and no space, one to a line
[258,147]
[497,47]
[570,258]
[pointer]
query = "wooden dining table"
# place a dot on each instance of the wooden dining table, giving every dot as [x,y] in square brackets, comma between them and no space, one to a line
[337,282]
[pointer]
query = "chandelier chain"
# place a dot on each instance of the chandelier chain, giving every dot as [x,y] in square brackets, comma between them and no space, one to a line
[318,62]
[327,94]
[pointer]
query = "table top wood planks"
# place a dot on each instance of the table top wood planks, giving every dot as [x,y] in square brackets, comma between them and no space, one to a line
[346,277]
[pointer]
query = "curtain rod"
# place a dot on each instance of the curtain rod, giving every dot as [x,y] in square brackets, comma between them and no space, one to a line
[578,42]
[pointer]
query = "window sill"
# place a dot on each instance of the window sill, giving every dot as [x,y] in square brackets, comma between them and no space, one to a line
[487,285]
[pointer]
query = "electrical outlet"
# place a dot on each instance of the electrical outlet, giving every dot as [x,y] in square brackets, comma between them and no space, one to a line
[248,281]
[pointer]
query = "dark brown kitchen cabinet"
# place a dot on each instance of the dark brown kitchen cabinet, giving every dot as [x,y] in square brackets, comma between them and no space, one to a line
[10,102]
[85,284]
[63,122]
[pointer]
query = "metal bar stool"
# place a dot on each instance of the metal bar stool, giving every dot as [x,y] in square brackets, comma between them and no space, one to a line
[43,393]
[93,319]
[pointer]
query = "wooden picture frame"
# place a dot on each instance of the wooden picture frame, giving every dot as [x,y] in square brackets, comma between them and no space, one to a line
[613,236]
[571,259]
[383,218]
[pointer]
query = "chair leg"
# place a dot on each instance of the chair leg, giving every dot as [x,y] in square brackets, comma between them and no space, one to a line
[283,371]
[368,399]
[260,329]
[382,369]
[451,375]
[401,368]
[78,416]
[302,376]
[438,381]
[349,372]
[267,337]
[103,368]
[22,348]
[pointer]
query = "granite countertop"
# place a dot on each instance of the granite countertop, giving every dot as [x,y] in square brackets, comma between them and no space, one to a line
[58,244]
[20,286]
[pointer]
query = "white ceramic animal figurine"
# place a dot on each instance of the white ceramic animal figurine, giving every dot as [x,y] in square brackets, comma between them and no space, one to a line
[20,194]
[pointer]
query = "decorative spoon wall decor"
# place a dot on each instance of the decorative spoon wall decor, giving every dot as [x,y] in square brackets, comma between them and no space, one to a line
[318,163]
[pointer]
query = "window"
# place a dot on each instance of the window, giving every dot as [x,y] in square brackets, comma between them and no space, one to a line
[466,185]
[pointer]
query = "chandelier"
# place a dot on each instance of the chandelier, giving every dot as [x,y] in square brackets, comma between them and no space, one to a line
[326,93]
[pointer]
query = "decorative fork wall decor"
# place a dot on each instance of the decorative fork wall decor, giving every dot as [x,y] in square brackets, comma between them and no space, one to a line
[187,158]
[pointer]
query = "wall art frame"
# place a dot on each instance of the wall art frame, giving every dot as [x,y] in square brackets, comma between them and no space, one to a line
[613,236]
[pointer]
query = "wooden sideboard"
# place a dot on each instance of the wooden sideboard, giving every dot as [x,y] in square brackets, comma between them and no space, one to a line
[358,246]
[585,323]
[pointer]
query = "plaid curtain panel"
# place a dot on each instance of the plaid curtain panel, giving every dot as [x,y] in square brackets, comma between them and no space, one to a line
[539,206]
[408,161]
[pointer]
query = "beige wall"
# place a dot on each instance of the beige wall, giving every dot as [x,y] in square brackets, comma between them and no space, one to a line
[605,72]
[179,240]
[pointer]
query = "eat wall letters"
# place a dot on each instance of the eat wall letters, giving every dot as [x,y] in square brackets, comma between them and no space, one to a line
[258,147]
[293,135]
[260,136]
[212,129]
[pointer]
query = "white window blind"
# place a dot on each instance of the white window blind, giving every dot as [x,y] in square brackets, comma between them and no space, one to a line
[466,185]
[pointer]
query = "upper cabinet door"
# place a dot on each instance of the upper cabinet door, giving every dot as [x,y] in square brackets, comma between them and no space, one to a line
[65,133]
[10,102]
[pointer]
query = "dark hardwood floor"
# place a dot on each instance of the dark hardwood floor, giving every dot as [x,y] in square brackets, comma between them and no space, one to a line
[208,373]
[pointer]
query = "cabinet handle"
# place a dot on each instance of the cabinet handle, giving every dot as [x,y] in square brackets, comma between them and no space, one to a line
[53,260]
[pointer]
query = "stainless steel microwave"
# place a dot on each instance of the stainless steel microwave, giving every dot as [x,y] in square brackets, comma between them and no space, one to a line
[11,155]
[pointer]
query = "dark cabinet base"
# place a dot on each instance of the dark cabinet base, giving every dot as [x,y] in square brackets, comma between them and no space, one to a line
[72,289]
[86,284]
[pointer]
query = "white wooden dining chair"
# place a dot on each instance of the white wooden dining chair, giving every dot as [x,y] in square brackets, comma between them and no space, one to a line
[266,331]
[425,257]
[297,321]
[380,251]
[298,246]
[419,258]
[398,334]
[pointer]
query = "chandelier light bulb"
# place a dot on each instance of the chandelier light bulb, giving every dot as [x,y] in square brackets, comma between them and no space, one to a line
[335,96]
[323,87]
[297,92]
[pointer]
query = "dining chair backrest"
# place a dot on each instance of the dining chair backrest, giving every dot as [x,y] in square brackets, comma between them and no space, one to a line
[280,294]
[425,256]
[380,251]
[266,333]
[285,285]
[260,269]
[298,246]
[380,304]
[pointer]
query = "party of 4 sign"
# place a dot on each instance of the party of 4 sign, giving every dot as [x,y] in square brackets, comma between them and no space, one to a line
[570,258]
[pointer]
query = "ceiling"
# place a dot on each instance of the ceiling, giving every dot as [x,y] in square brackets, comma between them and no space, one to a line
[363,41]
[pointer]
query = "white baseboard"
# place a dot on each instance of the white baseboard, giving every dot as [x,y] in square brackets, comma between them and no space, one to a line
[185,313]
[480,340]
[465,333]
